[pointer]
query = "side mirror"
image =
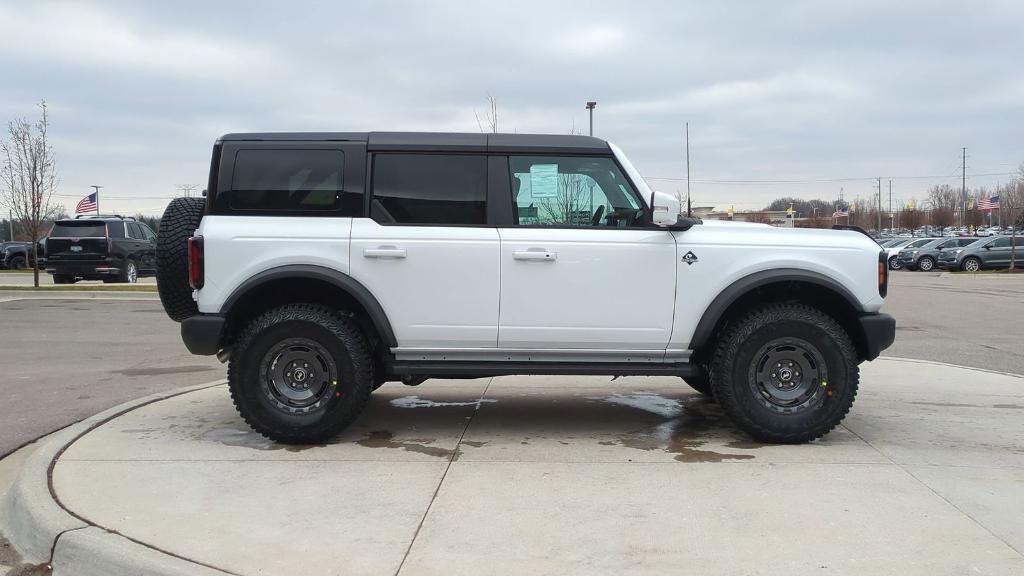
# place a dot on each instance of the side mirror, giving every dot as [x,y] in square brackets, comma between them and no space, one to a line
[664,209]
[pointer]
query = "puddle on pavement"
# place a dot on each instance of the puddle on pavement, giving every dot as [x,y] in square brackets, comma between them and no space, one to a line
[686,429]
[417,402]
[386,439]
[162,371]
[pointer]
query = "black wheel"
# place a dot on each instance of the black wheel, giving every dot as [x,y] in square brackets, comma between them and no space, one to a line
[970,264]
[926,264]
[700,384]
[300,374]
[785,373]
[894,263]
[129,273]
[64,279]
[179,222]
[17,263]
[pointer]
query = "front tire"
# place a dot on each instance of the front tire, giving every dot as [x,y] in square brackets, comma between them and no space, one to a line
[926,264]
[785,373]
[894,263]
[700,384]
[970,264]
[299,374]
[18,263]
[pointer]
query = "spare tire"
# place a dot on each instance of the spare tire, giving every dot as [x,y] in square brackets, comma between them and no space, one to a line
[179,222]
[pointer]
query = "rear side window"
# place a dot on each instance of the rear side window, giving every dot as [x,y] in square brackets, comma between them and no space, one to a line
[292,180]
[116,229]
[78,230]
[133,231]
[429,189]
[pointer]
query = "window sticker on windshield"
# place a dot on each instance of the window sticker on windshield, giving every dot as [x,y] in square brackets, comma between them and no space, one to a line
[544,180]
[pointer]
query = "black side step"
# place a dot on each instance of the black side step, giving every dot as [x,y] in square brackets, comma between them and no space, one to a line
[458,369]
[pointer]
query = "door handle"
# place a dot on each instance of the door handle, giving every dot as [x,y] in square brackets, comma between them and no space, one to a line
[384,252]
[538,255]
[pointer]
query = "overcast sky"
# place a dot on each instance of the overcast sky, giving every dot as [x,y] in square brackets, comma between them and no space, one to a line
[815,92]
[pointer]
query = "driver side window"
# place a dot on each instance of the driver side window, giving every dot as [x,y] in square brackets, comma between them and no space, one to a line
[572,191]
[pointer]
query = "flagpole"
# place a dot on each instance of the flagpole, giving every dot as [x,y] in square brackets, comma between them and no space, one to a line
[97,188]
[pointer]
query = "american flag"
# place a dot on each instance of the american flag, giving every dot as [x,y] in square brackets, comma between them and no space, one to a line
[988,203]
[88,204]
[840,214]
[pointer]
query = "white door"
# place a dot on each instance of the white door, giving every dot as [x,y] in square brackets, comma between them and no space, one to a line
[433,263]
[580,270]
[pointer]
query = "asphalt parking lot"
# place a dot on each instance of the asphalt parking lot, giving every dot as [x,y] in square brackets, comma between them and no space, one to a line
[25,279]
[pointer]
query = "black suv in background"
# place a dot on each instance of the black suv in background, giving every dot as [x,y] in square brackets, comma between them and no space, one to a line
[108,248]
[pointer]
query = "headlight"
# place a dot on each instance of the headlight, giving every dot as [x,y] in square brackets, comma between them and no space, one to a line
[913,252]
[958,252]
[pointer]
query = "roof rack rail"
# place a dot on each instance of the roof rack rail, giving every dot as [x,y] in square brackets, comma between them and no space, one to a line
[101,216]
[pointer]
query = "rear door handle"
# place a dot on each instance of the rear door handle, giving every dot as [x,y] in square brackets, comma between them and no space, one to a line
[384,252]
[539,255]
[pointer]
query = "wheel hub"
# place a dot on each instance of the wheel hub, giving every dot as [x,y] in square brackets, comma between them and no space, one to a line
[787,374]
[298,374]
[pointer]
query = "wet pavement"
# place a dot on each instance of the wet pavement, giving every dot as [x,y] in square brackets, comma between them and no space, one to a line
[573,475]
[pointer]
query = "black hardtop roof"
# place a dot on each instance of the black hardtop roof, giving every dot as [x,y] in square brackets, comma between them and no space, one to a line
[442,141]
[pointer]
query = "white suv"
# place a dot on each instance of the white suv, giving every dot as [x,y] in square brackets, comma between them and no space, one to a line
[322,265]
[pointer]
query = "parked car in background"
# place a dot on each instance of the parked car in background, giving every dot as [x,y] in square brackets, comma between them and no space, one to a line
[926,257]
[985,254]
[18,255]
[107,248]
[892,252]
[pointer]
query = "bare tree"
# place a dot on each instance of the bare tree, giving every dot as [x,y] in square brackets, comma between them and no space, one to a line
[572,206]
[28,177]
[490,117]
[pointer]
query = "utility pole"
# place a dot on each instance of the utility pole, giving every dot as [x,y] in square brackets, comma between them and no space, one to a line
[879,206]
[186,189]
[590,107]
[963,190]
[890,206]
[97,189]
[688,170]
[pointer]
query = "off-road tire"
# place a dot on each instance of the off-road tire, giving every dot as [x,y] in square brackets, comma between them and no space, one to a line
[735,360]
[894,263]
[974,266]
[250,389]
[700,384]
[926,264]
[179,222]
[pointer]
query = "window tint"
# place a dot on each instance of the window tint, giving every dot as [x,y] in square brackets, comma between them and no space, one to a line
[147,231]
[572,191]
[292,180]
[919,243]
[78,230]
[429,189]
[1000,243]
[133,231]
[116,229]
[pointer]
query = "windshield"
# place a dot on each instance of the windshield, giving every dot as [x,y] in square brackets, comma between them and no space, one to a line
[632,172]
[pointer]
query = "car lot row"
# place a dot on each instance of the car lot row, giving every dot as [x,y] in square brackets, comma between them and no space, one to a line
[967,253]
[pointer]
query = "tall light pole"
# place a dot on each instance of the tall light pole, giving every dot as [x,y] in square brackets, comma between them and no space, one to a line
[590,107]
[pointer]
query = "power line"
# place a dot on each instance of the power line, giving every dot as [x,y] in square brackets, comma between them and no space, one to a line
[823,180]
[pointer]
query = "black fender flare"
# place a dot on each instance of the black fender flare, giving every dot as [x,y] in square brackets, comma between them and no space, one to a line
[339,279]
[733,292]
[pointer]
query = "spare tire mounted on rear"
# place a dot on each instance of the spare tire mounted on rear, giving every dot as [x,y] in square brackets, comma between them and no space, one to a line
[178,224]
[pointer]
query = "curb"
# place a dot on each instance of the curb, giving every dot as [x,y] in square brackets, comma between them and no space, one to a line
[43,531]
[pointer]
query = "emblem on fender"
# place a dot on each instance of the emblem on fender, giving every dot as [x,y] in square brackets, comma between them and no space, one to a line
[690,258]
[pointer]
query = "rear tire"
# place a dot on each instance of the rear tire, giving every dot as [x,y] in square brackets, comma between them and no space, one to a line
[785,373]
[129,274]
[18,263]
[299,374]
[179,222]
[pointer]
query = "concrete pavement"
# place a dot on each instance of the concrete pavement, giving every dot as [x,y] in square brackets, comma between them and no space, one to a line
[569,475]
[25,279]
